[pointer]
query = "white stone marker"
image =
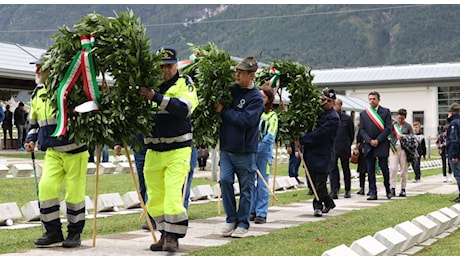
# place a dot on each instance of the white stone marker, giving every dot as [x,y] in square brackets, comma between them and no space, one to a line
[341,250]
[109,202]
[440,219]
[9,212]
[392,239]
[454,216]
[22,170]
[428,226]
[131,200]
[31,211]
[368,246]
[411,232]
[203,192]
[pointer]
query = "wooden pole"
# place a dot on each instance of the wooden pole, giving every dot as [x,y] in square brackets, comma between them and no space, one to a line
[275,170]
[266,184]
[141,200]
[308,175]
[96,192]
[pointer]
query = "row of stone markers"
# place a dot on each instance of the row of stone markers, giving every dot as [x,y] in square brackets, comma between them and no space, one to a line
[405,238]
[114,202]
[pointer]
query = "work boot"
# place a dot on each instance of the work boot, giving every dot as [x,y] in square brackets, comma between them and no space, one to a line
[159,245]
[171,243]
[72,240]
[49,238]
[360,192]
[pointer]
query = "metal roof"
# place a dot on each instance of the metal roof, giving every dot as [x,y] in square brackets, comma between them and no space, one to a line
[414,73]
[14,62]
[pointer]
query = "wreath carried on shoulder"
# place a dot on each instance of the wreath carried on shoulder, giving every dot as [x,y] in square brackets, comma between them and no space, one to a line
[214,76]
[100,46]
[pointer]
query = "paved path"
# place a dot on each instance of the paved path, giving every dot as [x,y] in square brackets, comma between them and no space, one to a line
[206,232]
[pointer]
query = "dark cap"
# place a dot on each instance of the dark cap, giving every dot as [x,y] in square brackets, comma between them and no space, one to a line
[21,104]
[169,55]
[248,64]
[39,60]
[330,93]
[455,107]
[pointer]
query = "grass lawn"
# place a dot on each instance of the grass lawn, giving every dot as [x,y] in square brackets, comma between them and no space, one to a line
[309,239]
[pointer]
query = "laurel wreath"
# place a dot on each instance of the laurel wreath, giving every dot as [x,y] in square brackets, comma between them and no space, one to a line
[213,76]
[121,50]
[305,105]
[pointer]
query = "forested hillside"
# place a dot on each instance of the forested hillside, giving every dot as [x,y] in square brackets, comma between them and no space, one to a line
[320,36]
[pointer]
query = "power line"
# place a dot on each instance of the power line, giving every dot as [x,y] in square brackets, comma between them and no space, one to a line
[248,18]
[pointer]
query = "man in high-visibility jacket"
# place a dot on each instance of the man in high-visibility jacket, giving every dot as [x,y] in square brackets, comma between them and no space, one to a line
[169,150]
[64,161]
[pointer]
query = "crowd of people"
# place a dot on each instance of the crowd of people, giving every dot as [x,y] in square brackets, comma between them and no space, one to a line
[248,132]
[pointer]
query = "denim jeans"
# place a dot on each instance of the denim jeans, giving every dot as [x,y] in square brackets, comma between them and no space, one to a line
[260,193]
[193,163]
[456,171]
[244,165]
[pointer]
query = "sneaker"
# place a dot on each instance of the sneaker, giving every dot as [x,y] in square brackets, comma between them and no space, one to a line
[159,245]
[171,243]
[22,149]
[72,240]
[49,238]
[240,232]
[228,229]
[260,220]
[416,181]
[445,179]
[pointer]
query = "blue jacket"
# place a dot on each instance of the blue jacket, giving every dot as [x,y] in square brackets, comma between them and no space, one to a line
[239,131]
[453,137]
[318,145]
[176,100]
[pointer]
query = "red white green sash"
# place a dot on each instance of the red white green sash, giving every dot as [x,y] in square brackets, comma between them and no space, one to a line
[378,121]
[82,64]
[376,118]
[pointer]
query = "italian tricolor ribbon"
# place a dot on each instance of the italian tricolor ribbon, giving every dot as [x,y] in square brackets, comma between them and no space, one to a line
[82,64]
[274,81]
[378,121]
[186,63]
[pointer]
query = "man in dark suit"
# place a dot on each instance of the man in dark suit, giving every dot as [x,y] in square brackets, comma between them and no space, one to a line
[375,126]
[319,151]
[346,132]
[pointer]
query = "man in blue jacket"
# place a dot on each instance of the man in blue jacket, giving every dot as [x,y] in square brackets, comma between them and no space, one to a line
[453,143]
[319,151]
[239,138]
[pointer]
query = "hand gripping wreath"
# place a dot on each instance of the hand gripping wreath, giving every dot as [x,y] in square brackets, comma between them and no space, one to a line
[100,46]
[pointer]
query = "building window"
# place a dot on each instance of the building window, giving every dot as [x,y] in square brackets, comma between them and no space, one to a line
[420,117]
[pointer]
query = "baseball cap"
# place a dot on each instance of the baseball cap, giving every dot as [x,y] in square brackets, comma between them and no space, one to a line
[169,55]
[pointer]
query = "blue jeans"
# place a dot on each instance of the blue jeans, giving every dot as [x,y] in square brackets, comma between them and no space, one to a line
[260,192]
[294,164]
[456,171]
[139,160]
[244,165]
[193,163]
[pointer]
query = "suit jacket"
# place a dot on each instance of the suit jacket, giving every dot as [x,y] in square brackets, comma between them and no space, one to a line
[319,143]
[345,136]
[369,131]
